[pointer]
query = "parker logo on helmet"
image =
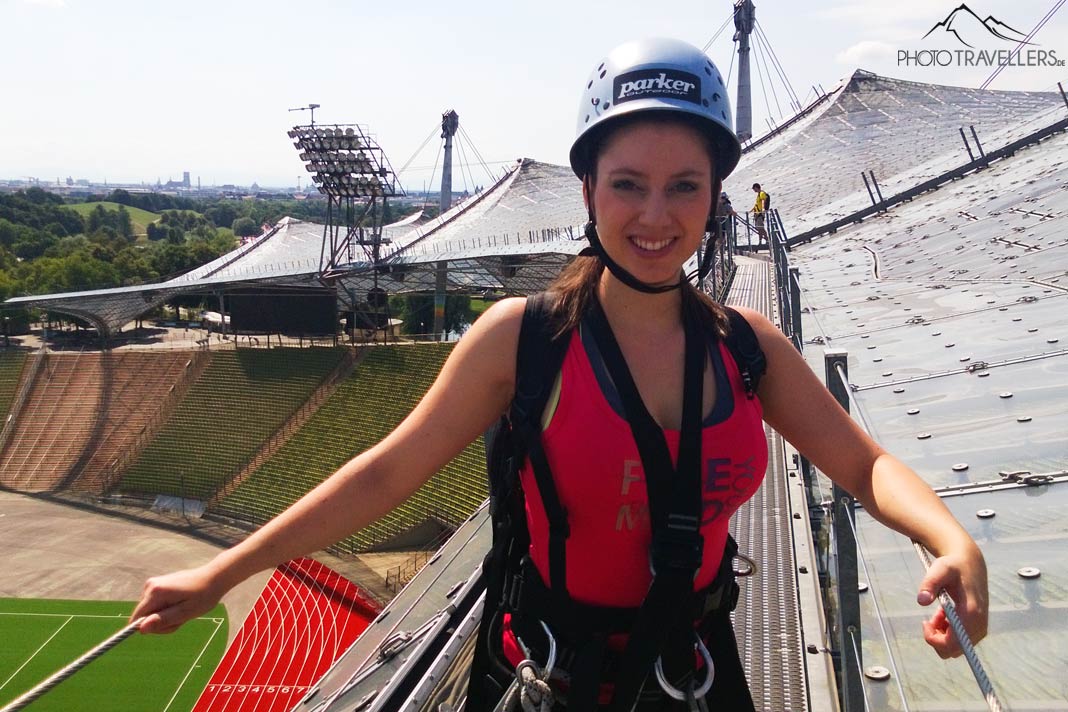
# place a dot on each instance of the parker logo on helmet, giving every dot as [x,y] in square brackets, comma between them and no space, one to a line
[650,83]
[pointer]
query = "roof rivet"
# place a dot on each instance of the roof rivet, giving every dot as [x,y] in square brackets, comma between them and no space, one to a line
[1052,341]
[887,374]
[913,411]
[1031,331]
[1028,572]
[985,513]
[950,345]
[960,467]
[811,647]
[1006,394]
[923,436]
[877,673]
[984,374]
[899,390]
[862,587]
[876,360]
[965,359]
[937,333]
[1024,419]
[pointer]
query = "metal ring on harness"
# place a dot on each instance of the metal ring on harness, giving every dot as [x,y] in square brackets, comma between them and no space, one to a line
[677,694]
[751,566]
[551,662]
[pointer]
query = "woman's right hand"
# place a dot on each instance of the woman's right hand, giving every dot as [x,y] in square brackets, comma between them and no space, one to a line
[169,601]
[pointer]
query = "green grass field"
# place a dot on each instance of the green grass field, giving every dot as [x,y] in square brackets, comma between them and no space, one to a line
[141,674]
[140,218]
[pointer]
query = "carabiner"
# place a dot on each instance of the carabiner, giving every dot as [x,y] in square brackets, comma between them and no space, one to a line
[551,662]
[677,694]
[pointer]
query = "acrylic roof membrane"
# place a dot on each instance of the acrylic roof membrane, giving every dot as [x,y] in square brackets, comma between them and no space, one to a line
[952,306]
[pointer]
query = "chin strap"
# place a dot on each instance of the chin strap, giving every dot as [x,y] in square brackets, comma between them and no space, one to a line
[596,249]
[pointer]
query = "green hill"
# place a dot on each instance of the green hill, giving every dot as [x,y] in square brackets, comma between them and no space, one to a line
[140,218]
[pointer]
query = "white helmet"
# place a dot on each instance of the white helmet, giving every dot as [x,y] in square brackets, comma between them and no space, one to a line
[657,75]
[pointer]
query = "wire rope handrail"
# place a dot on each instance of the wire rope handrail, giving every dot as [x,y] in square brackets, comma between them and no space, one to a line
[955,623]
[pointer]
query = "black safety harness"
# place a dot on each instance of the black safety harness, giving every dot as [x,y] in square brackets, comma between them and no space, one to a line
[661,632]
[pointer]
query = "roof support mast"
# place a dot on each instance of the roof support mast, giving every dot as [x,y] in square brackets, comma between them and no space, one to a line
[744,20]
[450,121]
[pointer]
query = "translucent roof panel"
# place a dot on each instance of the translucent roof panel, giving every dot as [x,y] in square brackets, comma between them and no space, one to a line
[813,169]
[1025,653]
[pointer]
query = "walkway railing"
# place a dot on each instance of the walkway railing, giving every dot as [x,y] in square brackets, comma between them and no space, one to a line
[839,548]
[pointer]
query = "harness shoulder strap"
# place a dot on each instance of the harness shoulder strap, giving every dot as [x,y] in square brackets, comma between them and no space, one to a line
[744,346]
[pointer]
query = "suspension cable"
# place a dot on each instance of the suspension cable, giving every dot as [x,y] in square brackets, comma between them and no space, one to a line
[856,655]
[416,153]
[730,18]
[478,154]
[1026,40]
[758,45]
[778,65]
[426,193]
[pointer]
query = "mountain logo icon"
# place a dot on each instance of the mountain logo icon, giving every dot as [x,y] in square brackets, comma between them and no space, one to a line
[963,22]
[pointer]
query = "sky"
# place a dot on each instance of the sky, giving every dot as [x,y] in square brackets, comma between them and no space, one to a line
[131,92]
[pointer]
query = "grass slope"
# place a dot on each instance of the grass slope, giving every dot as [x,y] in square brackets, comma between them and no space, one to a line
[142,674]
[140,218]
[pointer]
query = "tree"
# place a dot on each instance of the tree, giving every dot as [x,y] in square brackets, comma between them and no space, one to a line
[417,312]
[245,227]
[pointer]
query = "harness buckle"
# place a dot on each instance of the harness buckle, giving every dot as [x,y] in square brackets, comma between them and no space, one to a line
[698,692]
[678,546]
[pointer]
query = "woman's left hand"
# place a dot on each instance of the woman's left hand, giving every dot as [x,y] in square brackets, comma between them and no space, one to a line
[963,576]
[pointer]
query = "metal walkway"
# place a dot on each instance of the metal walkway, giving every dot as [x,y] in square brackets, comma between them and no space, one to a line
[768,618]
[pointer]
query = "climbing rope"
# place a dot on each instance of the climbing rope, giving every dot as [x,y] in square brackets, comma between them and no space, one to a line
[531,693]
[26,699]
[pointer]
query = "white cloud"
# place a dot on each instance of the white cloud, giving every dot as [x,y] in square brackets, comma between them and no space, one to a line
[878,13]
[866,53]
[47,3]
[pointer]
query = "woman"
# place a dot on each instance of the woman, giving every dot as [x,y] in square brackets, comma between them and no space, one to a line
[653,147]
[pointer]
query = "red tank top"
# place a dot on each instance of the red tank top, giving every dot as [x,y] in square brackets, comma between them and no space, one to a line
[600,480]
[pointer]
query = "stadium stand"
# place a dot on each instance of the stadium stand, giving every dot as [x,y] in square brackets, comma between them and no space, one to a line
[241,399]
[81,411]
[10,370]
[383,389]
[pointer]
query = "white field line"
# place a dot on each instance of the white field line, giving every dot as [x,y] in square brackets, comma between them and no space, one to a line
[42,647]
[88,615]
[192,667]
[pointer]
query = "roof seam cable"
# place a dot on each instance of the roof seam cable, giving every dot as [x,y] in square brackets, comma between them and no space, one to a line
[760,76]
[878,613]
[853,399]
[856,654]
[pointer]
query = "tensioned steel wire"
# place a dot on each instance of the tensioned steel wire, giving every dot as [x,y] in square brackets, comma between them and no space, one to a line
[30,696]
[950,608]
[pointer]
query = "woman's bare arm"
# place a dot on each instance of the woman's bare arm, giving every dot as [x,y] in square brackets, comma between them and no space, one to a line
[800,408]
[472,390]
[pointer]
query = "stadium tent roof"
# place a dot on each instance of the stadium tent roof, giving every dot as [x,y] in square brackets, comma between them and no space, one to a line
[518,233]
[515,235]
[904,132]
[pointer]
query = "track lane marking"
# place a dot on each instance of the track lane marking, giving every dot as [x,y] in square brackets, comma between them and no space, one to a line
[42,647]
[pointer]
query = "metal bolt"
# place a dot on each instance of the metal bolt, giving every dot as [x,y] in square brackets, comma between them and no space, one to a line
[899,390]
[913,411]
[1006,394]
[985,513]
[862,587]
[923,436]
[877,672]
[1024,419]
[1028,572]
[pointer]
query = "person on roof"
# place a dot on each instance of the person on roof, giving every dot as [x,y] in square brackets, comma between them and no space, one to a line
[648,436]
[760,209]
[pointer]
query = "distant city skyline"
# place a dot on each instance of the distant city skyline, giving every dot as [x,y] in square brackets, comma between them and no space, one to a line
[132,93]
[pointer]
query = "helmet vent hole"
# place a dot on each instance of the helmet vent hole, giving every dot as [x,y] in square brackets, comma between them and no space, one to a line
[720,78]
[607,104]
[705,102]
[708,71]
[587,118]
[715,97]
[723,114]
[595,101]
[603,73]
[590,84]
[601,68]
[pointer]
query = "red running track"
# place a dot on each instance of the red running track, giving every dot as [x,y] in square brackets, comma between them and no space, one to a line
[306,617]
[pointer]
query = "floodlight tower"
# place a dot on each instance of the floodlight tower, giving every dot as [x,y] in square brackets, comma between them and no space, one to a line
[744,20]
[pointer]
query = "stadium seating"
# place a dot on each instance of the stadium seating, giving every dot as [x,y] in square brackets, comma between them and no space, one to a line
[11,362]
[83,409]
[382,390]
[242,397]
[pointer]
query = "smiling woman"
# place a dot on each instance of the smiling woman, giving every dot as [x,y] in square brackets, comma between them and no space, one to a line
[629,410]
